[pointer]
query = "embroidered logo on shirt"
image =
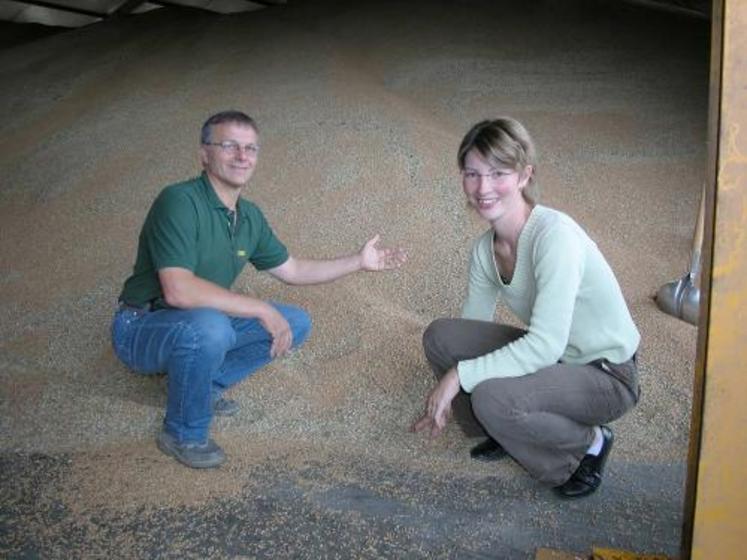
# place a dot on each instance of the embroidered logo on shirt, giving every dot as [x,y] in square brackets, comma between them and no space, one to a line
[241,253]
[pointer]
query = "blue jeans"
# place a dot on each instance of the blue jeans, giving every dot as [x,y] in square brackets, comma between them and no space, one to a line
[203,352]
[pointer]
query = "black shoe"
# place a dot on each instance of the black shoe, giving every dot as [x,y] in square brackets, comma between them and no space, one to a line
[488,450]
[588,475]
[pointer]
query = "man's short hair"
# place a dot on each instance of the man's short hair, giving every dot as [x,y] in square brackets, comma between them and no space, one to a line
[236,117]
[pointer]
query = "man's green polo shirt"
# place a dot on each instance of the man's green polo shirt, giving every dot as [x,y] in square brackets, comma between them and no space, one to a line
[189,227]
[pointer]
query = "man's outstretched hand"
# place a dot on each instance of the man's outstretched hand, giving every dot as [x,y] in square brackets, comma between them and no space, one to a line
[373,258]
[438,405]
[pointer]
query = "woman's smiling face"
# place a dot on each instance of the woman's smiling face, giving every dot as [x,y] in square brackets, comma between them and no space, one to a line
[492,190]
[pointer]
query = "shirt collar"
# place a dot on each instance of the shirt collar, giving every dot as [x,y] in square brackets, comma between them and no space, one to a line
[209,191]
[215,202]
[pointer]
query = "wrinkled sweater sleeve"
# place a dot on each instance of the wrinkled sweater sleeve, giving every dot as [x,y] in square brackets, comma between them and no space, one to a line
[557,257]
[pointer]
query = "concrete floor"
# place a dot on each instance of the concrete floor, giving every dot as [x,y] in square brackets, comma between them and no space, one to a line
[361,108]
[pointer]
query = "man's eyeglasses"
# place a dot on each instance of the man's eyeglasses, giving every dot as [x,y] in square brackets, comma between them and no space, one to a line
[493,175]
[233,147]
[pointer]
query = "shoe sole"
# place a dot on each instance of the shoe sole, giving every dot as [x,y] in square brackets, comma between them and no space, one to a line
[580,495]
[226,413]
[173,452]
[477,453]
[489,457]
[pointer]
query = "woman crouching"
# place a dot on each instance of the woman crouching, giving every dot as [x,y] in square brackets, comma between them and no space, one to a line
[543,393]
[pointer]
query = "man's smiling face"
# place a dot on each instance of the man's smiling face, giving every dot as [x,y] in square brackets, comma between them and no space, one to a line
[231,156]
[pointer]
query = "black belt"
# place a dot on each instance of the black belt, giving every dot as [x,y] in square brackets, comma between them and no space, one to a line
[148,306]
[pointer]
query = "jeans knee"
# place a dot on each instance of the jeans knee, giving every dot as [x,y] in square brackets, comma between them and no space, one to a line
[211,330]
[299,321]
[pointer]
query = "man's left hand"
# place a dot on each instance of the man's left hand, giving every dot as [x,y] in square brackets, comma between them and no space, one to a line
[373,258]
[438,405]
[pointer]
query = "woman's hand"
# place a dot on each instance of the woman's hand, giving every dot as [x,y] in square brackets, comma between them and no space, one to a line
[438,404]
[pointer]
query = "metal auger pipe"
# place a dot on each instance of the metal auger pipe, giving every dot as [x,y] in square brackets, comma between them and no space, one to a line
[681,298]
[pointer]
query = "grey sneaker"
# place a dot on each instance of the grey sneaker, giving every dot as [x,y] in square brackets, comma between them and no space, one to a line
[224,407]
[193,454]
